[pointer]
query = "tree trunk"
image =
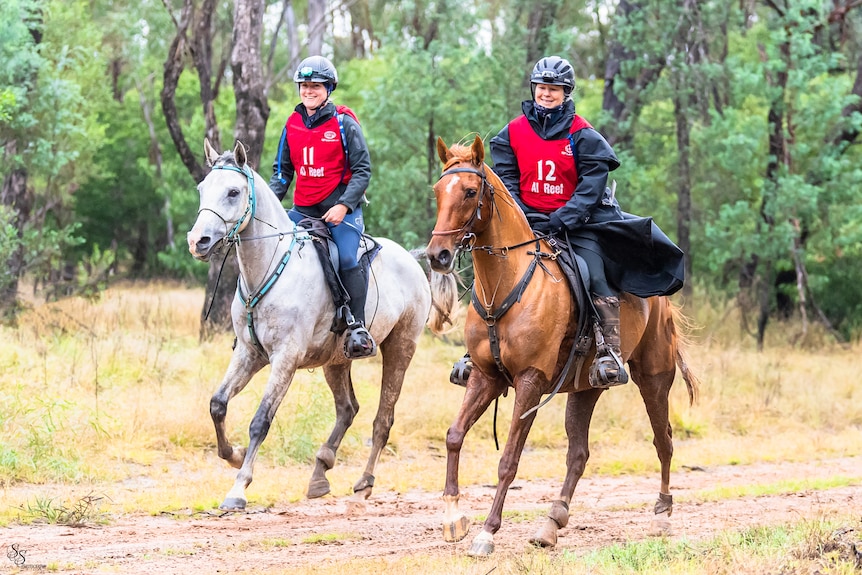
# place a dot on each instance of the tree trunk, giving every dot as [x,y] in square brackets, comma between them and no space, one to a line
[683,190]
[173,70]
[249,84]
[15,196]
[622,97]
[222,278]
[316,26]
[541,17]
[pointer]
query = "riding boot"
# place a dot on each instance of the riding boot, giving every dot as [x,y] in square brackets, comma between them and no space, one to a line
[607,369]
[358,343]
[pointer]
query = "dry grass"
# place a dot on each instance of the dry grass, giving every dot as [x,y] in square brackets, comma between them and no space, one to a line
[114,394]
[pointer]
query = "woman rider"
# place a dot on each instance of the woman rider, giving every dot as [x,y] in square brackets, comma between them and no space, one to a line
[556,166]
[326,152]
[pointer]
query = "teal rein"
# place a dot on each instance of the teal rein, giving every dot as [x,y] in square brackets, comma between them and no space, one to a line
[251,301]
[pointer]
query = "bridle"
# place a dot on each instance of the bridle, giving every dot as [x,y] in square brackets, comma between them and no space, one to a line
[469,238]
[250,207]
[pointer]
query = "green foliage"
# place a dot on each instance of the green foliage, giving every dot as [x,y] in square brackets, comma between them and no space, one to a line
[72,103]
[85,511]
[9,242]
[448,96]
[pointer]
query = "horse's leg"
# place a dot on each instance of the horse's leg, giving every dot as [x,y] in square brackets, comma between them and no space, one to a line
[346,407]
[654,390]
[481,391]
[243,366]
[527,396]
[397,351]
[276,388]
[579,412]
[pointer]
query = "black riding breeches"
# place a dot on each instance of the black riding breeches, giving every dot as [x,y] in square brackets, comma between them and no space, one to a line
[596,265]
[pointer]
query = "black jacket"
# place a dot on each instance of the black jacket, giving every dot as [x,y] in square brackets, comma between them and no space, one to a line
[591,201]
[639,258]
[350,194]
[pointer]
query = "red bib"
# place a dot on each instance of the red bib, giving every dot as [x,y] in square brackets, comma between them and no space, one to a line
[548,172]
[318,159]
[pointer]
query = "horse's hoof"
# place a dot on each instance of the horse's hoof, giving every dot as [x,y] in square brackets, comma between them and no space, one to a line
[546,536]
[483,545]
[456,530]
[318,488]
[660,526]
[355,507]
[233,504]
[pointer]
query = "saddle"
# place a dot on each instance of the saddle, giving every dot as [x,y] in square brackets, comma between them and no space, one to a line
[577,273]
[327,251]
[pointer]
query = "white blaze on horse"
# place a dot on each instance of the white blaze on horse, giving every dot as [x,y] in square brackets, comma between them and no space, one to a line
[526,341]
[284,310]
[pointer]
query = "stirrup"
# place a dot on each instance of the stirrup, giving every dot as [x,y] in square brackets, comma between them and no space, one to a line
[607,370]
[358,343]
[461,371]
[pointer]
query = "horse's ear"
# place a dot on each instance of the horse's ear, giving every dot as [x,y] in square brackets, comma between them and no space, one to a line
[209,152]
[443,151]
[239,153]
[478,150]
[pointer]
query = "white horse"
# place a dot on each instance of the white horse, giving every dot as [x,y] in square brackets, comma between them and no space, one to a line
[284,310]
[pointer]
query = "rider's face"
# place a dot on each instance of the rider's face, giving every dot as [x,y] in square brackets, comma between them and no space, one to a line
[313,95]
[549,96]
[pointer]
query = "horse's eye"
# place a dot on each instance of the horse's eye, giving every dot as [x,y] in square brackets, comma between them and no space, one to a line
[232,193]
[470,193]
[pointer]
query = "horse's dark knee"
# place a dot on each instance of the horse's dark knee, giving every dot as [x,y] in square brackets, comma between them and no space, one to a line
[218,409]
[454,439]
[259,427]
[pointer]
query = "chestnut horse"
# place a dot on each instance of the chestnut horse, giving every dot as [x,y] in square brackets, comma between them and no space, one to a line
[533,341]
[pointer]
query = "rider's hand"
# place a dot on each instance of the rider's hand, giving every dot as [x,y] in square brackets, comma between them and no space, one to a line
[335,214]
[541,227]
[556,224]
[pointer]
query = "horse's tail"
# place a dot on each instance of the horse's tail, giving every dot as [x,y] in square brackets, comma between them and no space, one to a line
[682,326]
[444,297]
[444,303]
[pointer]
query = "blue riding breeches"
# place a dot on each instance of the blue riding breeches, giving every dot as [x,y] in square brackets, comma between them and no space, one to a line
[346,235]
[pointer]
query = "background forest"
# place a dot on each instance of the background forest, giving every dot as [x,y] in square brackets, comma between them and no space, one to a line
[737,124]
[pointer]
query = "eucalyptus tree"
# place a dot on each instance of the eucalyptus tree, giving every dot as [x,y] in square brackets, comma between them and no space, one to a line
[782,149]
[50,133]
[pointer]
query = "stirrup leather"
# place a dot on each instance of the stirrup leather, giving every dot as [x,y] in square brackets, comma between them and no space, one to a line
[461,371]
[358,343]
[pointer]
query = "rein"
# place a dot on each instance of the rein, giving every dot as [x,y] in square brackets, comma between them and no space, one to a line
[251,300]
[579,348]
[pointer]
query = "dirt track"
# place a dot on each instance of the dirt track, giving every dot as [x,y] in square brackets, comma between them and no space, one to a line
[605,510]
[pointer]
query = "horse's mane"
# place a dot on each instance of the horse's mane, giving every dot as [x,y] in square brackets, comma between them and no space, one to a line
[464,154]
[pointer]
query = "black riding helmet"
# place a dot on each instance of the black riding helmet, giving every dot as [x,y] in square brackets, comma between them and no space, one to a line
[555,71]
[317,69]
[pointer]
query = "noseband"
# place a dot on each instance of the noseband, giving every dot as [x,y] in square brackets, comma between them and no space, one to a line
[251,205]
[477,215]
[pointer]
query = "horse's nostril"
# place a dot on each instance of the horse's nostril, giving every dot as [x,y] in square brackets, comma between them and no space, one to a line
[204,241]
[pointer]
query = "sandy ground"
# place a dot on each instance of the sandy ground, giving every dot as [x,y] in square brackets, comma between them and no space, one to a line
[606,510]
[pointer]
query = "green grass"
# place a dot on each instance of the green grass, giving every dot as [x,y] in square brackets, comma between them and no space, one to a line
[111,396]
[795,485]
[329,538]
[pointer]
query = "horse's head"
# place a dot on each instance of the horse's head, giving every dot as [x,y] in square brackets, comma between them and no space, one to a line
[465,202]
[227,200]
